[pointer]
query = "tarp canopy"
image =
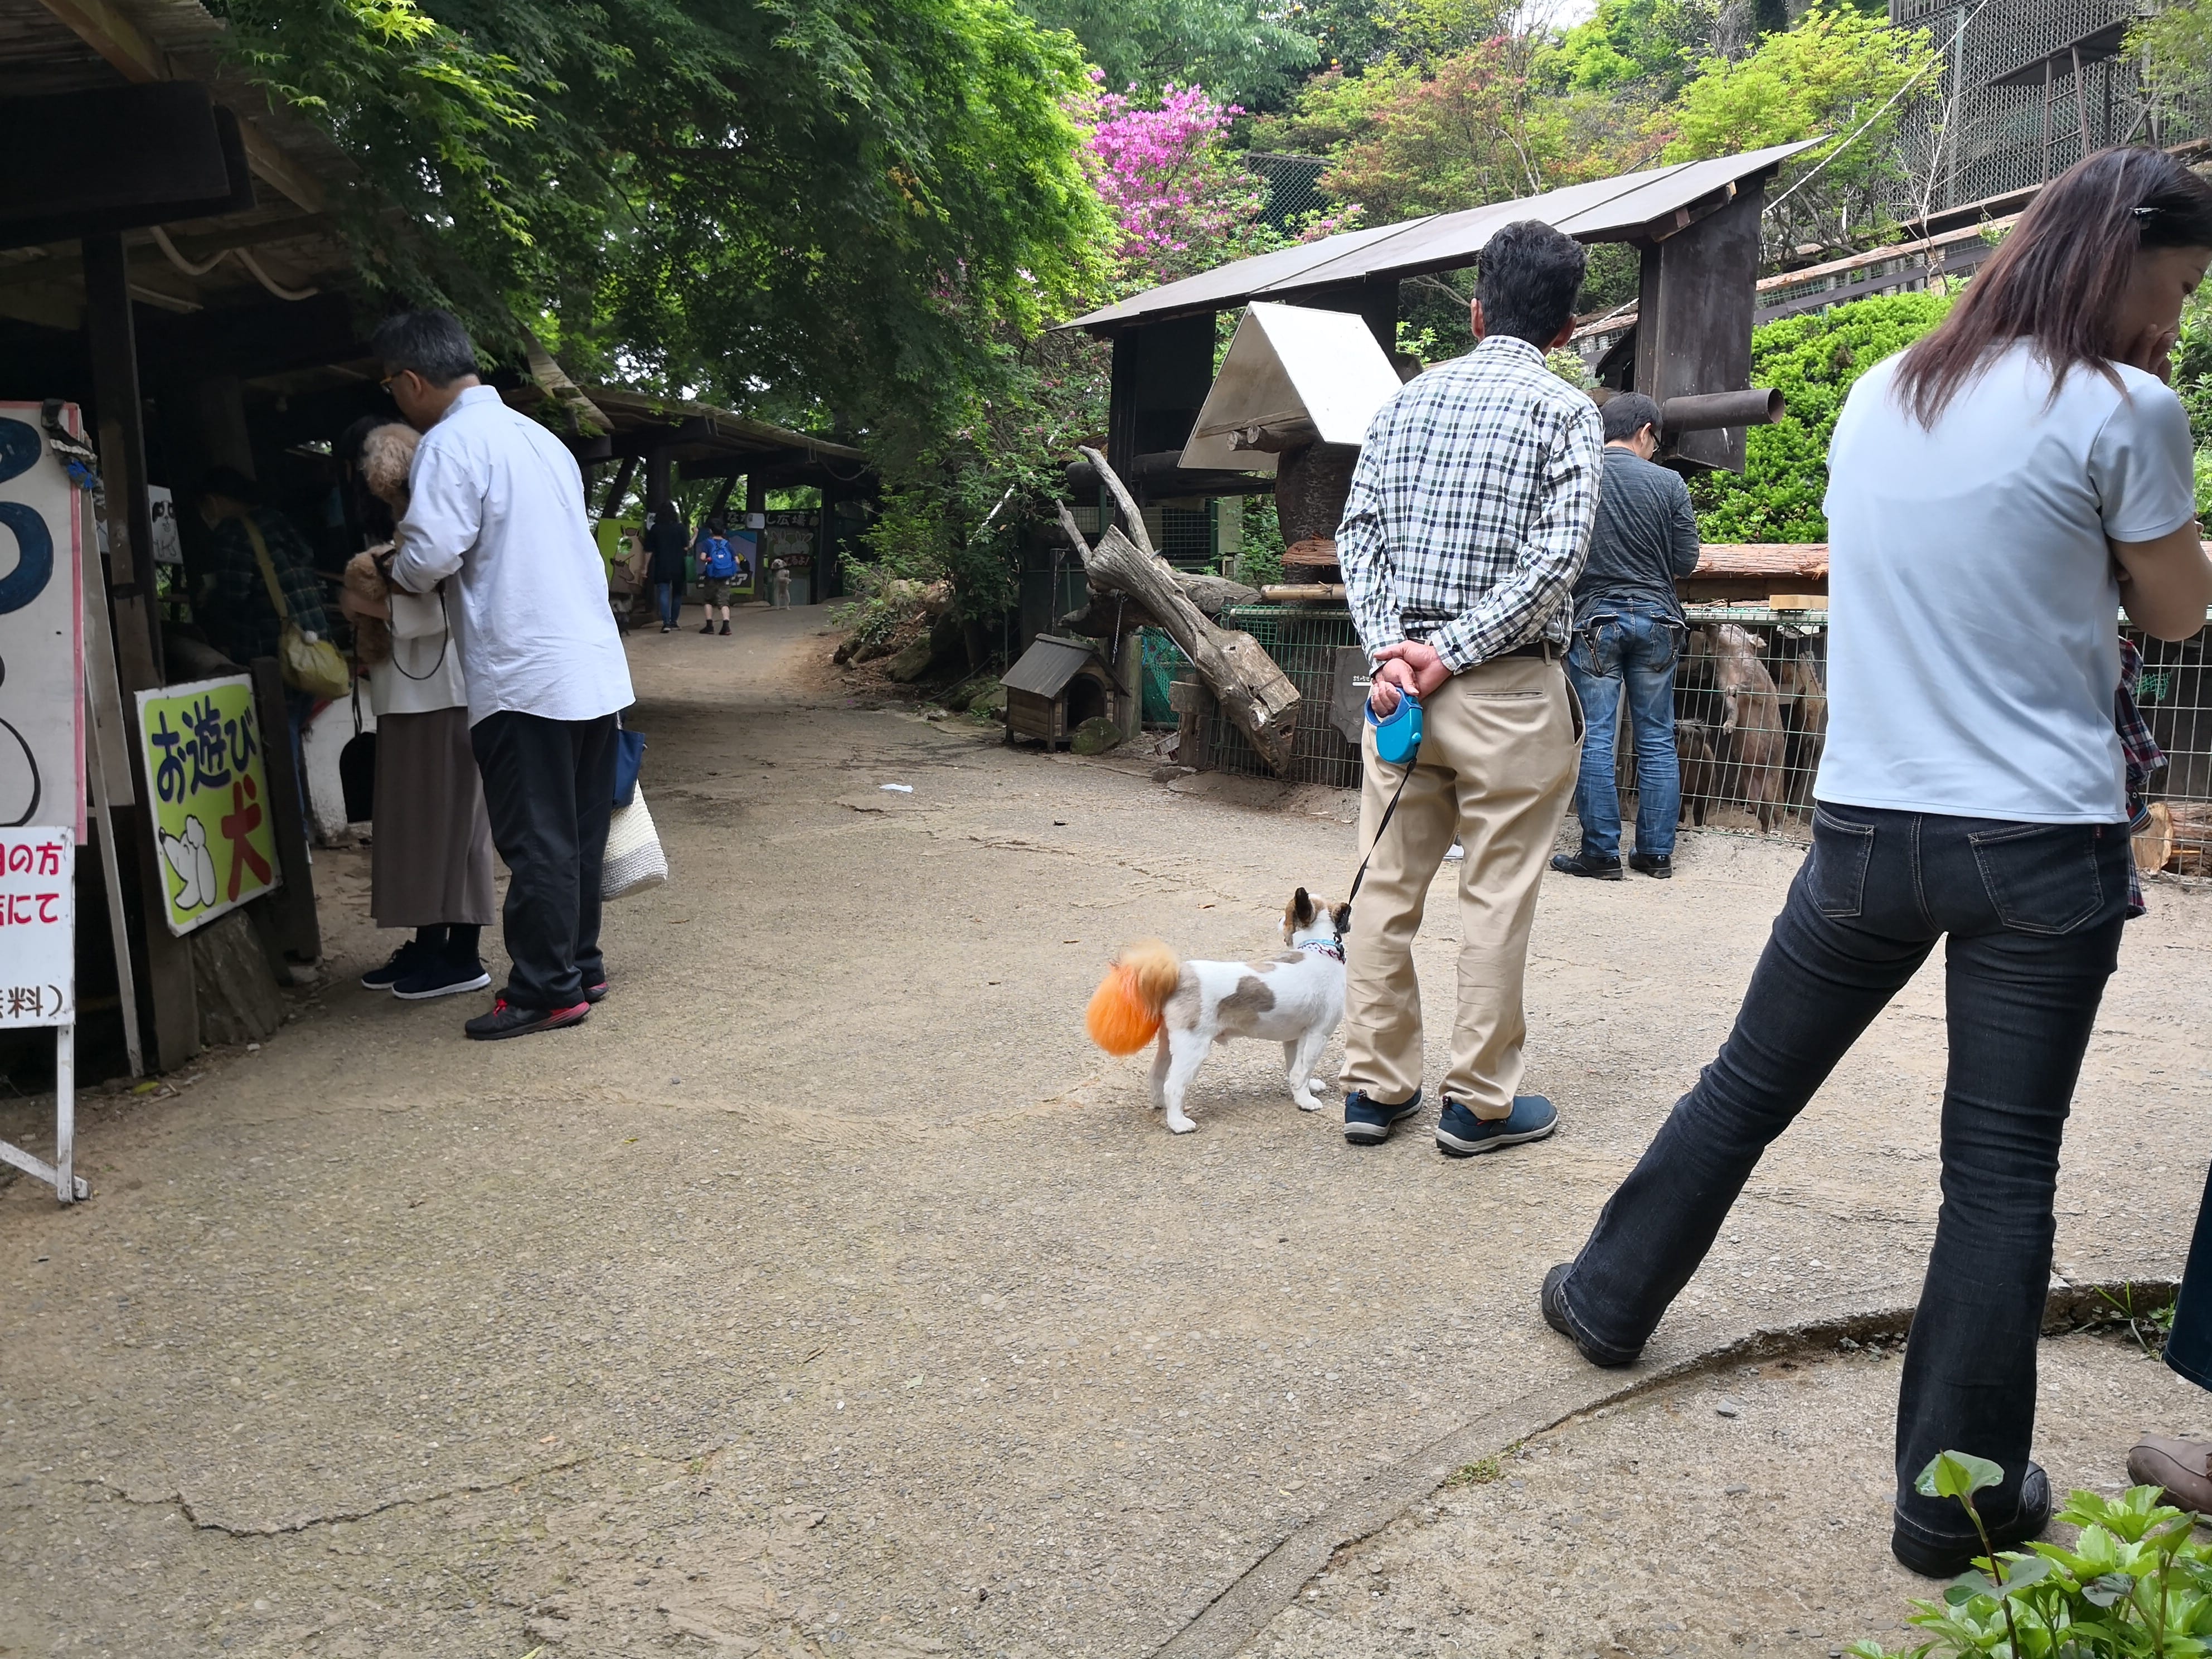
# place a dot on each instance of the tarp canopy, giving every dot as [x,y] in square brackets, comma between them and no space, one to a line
[1634,206]
[1289,366]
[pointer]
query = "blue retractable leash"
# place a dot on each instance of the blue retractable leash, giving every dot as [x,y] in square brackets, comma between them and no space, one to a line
[1397,743]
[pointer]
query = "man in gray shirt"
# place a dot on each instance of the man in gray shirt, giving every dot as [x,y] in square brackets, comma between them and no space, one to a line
[1628,633]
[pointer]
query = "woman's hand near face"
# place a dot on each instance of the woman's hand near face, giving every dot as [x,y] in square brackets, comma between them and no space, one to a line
[2153,352]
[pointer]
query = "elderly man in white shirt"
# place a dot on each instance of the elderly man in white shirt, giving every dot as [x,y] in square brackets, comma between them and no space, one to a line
[498,506]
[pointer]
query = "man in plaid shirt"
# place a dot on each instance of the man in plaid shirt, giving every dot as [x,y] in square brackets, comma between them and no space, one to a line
[1469,516]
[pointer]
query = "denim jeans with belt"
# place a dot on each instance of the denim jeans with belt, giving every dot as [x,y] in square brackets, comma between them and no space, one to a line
[2189,1345]
[1635,648]
[2034,913]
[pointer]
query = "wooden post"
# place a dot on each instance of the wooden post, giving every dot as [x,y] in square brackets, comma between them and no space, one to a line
[171,1003]
[291,907]
[620,485]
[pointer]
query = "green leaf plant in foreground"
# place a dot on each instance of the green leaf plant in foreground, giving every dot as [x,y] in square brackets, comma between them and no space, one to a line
[2136,1585]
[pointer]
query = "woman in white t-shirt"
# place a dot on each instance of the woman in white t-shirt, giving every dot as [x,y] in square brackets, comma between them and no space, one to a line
[1995,495]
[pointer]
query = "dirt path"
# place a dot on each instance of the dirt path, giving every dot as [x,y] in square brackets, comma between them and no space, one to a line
[827,1294]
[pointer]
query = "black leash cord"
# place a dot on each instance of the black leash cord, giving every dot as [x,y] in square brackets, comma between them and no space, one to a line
[1380,827]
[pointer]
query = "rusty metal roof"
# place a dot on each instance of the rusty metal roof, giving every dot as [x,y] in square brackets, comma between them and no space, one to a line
[1648,205]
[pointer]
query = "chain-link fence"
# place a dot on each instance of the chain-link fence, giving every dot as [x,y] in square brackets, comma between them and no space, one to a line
[1974,137]
[1751,718]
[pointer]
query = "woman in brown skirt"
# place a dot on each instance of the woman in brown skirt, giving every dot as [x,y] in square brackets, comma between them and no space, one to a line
[430,855]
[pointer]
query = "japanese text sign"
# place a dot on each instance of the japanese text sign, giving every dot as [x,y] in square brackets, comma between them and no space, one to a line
[41,627]
[38,934]
[212,829]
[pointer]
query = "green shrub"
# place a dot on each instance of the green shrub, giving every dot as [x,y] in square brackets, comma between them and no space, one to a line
[1812,360]
[1261,562]
[2136,1582]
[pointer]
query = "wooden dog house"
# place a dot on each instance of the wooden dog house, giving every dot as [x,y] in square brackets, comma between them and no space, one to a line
[1059,683]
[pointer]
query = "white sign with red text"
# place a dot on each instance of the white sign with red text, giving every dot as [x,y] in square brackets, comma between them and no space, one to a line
[38,932]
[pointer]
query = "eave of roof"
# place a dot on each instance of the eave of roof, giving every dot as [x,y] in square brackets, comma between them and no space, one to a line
[1647,205]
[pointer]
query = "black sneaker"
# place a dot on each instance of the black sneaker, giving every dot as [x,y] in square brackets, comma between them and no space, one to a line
[407,959]
[596,992]
[1368,1122]
[506,1020]
[442,978]
[1554,1304]
[707,626]
[1460,1134]
[667,628]
[1947,1558]
[725,627]
[1659,865]
[1583,864]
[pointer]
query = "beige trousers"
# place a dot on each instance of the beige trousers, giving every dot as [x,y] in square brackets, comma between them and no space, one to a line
[1495,768]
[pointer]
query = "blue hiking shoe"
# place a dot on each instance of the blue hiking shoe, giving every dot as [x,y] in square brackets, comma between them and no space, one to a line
[1368,1122]
[1460,1134]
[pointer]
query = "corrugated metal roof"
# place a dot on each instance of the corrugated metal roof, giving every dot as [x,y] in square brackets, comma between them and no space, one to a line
[1048,666]
[1605,209]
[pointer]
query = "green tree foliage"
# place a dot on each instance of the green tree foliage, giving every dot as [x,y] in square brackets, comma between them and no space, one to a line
[1648,43]
[1243,51]
[1840,72]
[1346,32]
[1812,360]
[841,202]
[2175,43]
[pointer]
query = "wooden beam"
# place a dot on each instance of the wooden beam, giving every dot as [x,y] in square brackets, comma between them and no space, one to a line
[279,170]
[114,37]
[137,59]
[167,983]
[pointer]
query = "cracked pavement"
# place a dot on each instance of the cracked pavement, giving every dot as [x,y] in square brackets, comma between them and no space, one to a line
[826,1294]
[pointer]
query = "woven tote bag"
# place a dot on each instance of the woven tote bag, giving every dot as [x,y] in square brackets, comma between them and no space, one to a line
[634,861]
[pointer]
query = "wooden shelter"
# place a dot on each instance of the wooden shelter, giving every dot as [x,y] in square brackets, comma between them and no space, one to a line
[1696,225]
[671,437]
[1057,686]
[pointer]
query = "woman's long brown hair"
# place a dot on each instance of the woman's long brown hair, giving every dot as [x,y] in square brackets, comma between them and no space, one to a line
[2059,279]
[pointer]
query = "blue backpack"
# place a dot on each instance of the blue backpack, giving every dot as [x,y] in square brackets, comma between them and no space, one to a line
[721,559]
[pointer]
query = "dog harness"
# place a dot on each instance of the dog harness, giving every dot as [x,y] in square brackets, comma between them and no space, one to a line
[1327,947]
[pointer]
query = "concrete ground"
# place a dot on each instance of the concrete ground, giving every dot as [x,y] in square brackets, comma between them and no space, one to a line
[827,1294]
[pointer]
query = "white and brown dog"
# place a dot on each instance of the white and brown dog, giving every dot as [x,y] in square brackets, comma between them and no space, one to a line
[1296,998]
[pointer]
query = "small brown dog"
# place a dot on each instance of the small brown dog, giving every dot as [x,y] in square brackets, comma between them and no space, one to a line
[387,455]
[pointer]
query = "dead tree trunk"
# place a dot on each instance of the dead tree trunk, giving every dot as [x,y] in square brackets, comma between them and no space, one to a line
[1254,692]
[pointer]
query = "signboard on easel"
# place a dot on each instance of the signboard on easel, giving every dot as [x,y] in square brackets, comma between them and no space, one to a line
[42,784]
[211,822]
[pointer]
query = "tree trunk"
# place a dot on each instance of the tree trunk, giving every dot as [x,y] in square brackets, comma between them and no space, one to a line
[1254,693]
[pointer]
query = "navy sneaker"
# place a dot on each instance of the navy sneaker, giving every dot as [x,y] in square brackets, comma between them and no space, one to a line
[409,958]
[1561,1319]
[596,991]
[1368,1122]
[1460,1134]
[439,978]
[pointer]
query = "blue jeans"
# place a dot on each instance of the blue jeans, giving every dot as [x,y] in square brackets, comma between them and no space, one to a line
[1637,648]
[2188,1347]
[672,602]
[2034,913]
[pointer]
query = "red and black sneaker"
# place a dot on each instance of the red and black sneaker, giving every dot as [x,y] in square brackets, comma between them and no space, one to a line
[506,1020]
[596,992]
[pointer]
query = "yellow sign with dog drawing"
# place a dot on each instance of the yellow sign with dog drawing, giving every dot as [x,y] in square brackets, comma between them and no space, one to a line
[211,807]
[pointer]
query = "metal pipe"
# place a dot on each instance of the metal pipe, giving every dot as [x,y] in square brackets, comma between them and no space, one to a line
[1711,411]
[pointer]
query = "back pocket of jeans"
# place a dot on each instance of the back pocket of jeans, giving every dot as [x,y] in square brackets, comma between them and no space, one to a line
[1835,873]
[2041,877]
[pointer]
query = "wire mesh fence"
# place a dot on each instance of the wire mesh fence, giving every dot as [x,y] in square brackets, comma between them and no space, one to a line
[1751,720]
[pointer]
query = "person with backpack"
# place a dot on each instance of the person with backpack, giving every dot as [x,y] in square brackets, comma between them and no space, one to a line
[719,569]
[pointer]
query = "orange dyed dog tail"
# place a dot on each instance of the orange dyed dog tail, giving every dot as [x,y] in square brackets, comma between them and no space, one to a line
[1125,1010]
